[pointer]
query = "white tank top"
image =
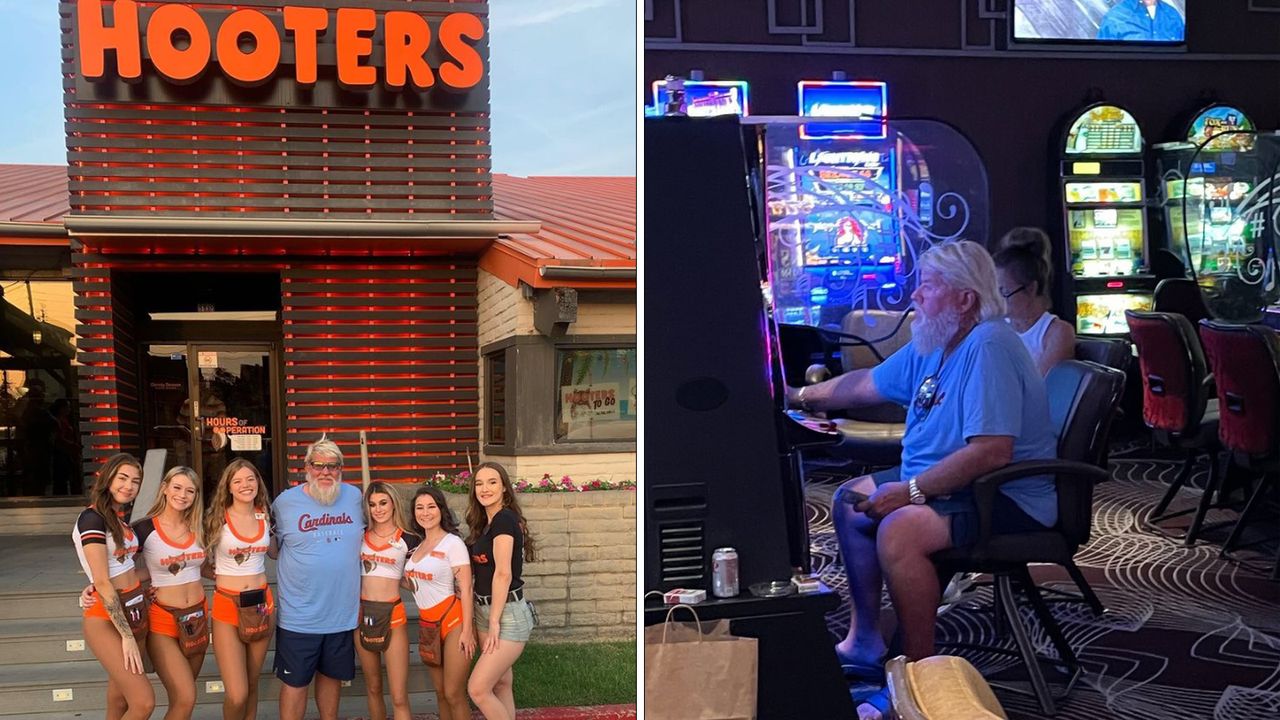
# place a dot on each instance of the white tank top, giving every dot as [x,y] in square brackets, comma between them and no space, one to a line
[385,561]
[1033,338]
[238,555]
[91,529]
[168,563]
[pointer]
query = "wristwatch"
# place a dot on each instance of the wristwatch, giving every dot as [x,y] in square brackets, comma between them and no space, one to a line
[917,497]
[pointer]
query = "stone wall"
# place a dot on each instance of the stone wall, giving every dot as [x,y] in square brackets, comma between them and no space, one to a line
[583,583]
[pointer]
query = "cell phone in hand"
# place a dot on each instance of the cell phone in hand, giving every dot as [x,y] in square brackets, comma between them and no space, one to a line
[249,598]
[850,496]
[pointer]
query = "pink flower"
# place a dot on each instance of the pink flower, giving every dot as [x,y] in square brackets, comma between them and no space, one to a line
[546,481]
[464,475]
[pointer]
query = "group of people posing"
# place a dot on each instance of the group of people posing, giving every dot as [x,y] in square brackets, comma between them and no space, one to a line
[341,562]
[972,381]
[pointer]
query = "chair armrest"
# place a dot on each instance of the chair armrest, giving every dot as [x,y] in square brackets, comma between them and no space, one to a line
[986,487]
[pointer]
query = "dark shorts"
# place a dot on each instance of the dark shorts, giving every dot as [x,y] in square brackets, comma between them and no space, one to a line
[299,656]
[1006,517]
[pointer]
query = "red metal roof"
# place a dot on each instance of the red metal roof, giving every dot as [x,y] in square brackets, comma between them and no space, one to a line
[33,193]
[587,222]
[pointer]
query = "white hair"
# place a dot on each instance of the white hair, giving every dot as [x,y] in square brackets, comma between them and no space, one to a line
[323,446]
[966,265]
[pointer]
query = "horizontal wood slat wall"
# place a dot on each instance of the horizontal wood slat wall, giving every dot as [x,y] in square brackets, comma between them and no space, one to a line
[102,432]
[158,148]
[408,377]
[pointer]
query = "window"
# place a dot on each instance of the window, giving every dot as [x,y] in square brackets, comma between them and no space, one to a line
[595,394]
[496,399]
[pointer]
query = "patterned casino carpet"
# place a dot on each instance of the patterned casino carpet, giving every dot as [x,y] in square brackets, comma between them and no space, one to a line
[1187,634]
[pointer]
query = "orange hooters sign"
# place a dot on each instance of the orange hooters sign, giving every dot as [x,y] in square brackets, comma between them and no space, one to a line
[181,44]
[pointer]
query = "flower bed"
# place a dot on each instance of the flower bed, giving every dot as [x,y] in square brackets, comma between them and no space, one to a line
[461,484]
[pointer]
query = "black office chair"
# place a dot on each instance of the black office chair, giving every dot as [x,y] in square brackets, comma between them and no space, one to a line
[1082,401]
[1183,297]
[1110,353]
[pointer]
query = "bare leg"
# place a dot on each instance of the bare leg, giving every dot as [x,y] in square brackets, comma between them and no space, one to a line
[177,672]
[491,675]
[856,535]
[371,668]
[256,655]
[905,540]
[327,691]
[397,660]
[116,704]
[103,639]
[450,680]
[232,658]
[293,702]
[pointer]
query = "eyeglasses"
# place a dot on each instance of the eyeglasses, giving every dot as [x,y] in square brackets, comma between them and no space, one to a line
[1011,293]
[325,467]
[926,397]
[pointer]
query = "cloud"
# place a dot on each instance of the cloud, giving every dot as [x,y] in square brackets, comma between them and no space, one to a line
[545,13]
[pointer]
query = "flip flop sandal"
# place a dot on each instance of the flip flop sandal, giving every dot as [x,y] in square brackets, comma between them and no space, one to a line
[881,701]
[855,670]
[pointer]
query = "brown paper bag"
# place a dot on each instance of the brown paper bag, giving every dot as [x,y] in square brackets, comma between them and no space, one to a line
[690,674]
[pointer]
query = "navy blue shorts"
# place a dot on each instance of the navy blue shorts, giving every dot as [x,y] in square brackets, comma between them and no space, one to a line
[299,656]
[958,508]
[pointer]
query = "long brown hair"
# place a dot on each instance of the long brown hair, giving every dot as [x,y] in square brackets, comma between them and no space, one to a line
[216,517]
[101,495]
[397,513]
[448,522]
[194,515]
[478,519]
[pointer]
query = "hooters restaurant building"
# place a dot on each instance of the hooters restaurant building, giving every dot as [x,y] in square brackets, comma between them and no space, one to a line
[278,219]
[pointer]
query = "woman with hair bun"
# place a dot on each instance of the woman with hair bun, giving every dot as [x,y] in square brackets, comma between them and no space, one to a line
[1024,268]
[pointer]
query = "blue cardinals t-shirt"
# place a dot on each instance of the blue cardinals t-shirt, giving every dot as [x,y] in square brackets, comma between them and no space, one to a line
[988,386]
[318,571]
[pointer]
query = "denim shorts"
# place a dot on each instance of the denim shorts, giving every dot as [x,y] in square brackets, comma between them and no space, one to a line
[516,624]
[959,510]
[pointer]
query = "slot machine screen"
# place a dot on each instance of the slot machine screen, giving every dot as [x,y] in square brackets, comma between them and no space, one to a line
[1118,22]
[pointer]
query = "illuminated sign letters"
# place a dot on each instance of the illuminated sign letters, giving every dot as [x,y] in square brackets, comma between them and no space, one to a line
[249,46]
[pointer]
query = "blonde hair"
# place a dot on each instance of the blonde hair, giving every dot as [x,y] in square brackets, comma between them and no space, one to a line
[966,265]
[323,446]
[194,515]
[382,487]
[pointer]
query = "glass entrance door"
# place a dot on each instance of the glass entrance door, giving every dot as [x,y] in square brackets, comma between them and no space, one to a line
[209,404]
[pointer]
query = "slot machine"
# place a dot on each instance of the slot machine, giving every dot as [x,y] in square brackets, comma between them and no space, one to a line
[1102,178]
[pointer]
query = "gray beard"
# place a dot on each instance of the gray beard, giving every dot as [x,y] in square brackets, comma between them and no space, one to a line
[930,333]
[323,496]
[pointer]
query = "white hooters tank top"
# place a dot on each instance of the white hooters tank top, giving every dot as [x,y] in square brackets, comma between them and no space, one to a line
[168,562]
[239,555]
[385,560]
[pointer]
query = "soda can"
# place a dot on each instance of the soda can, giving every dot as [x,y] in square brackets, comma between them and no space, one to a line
[724,572]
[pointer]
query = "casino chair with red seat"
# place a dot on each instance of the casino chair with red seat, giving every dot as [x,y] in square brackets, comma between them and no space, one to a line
[1246,365]
[1178,407]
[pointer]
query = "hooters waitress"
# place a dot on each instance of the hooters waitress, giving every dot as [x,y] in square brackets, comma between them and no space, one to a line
[173,554]
[237,539]
[382,631]
[439,574]
[113,626]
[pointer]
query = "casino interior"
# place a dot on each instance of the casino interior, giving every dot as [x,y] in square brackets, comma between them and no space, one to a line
[813,155]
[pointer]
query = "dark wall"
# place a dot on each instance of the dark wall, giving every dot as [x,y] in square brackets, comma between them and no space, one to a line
[943,60]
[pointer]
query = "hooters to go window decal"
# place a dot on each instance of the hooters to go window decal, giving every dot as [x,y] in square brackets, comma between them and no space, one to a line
[250,45]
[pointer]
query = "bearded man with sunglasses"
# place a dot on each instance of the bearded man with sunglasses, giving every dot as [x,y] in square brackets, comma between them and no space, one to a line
[319,526]
[975,402]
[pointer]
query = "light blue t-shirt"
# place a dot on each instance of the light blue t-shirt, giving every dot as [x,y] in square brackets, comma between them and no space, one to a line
[988,386]
[318,572]
[1130,20]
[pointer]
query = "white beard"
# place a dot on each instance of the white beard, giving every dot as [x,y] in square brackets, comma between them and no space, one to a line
[325,496]
[931,333]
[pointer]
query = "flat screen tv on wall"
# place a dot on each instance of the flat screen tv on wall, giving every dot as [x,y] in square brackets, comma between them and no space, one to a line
[1122,22]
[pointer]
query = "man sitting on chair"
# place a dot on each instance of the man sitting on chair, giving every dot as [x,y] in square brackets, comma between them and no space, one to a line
[975,402]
